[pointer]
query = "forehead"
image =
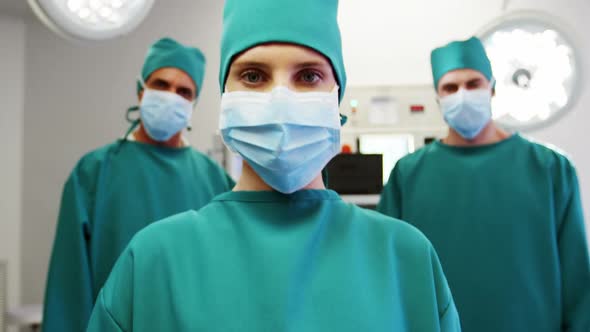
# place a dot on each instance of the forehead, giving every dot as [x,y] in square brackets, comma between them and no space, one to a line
[461,76]
[279,54]
[173,75]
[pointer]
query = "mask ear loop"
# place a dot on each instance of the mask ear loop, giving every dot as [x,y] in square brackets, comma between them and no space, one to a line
[343,118]
[128,114]
[134,122]
[132,109]
[193,106]
[493,86]
[141,82]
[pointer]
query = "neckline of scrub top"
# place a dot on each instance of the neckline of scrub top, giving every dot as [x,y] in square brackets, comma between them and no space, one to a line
[155,147]
[184,140]
[275,196]
[478,148]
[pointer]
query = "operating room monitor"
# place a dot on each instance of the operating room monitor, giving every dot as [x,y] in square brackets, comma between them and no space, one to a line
[393,147]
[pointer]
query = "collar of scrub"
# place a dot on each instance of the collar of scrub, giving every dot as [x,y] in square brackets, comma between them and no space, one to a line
[277,197]
[185,142]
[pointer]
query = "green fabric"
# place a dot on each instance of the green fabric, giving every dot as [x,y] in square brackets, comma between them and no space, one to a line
[167,52]
[468,54]
[264,261]
[309,23]
[507,223]
[111,194]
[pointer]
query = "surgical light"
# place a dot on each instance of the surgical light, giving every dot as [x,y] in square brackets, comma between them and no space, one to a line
[91,19]
[536,69]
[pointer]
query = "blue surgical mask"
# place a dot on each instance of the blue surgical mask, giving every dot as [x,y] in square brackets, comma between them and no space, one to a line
[163,114]
[468,111]
[286,137]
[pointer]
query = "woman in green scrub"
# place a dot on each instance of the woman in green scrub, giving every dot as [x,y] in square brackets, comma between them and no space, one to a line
[280,252]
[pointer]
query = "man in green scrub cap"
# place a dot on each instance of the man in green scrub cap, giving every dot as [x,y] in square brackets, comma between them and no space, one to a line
[503,213]
[280,252]
[115,191]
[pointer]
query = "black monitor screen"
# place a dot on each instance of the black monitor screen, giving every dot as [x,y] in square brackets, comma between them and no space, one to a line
[356,174]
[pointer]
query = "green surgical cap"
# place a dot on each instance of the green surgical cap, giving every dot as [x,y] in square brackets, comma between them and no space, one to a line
[468,54]
[167,52]
[310,23]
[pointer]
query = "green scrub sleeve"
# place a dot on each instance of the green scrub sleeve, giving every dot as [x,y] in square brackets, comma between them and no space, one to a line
[112,312]
[69,281]
[573,255]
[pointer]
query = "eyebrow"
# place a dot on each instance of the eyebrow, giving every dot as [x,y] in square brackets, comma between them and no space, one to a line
[454,85]
[256,64]
[262,65]
[449,85]
[312,64]
[180,87]
[156,80]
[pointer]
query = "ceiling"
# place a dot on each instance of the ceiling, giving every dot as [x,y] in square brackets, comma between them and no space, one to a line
[18,8]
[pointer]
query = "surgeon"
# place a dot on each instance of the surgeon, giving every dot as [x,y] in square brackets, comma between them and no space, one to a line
[115,191]
[279,252]
[503,212]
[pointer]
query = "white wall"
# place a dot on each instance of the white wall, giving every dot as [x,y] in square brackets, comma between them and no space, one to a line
[389,42]
[76,99]
[12,54]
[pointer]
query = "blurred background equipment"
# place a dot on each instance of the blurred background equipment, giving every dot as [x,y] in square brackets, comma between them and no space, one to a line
[535,63]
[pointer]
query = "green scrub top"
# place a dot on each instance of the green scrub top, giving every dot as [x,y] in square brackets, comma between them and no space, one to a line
[111,194]
[507,222]
[265,261]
